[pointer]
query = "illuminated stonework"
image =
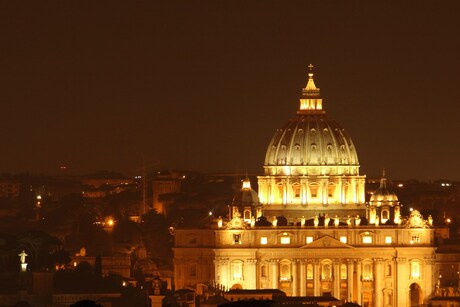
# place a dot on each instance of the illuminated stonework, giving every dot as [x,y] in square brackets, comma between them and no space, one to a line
[311,164]
[319,237]
[371,265]
[383,205]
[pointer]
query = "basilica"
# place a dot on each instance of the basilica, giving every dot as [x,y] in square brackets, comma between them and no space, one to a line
[309,231]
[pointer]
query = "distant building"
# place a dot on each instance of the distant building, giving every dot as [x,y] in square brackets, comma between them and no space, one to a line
[9,188]
[164,183]
[118,265]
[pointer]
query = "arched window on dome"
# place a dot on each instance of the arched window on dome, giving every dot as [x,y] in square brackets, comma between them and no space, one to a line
[247,214]
[385,215]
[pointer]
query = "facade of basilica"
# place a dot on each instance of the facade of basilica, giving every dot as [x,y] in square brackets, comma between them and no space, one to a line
[309,231]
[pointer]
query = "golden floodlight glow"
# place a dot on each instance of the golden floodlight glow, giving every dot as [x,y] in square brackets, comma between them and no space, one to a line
[367,239]
[285,240]
[246,184]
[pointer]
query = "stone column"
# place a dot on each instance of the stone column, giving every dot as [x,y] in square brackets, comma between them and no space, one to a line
[224,276]
[304,191]
[324,192]
[402,286]
[178,274]
[427,272]
[350,284]
[336,284]
[216,271]
[295,278]
[316,278]
[361,191]
[378,282]
[274,273]
[303,280]
[354,190]
[343,196]
[359,283]
[273,192]
[251,274]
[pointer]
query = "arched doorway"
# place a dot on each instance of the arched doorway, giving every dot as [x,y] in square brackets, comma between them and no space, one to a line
[415,293]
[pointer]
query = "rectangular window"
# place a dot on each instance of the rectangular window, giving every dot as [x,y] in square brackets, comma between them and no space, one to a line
[367,239]
[285,240]
[367,271]
[343,271]
[237,270]
[415,269]
[309,271]
[415,238]
[331,190]
[388,239]
[343,239]
[309,240]
[263,240]
[296,191]
[263,271]
[313,191]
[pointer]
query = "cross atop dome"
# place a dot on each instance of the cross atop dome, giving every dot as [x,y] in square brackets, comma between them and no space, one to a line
[311,88]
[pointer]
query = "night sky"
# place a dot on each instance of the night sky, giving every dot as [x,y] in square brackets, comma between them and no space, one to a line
[203,85]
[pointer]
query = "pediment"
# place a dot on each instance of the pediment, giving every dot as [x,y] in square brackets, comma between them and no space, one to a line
[326,242]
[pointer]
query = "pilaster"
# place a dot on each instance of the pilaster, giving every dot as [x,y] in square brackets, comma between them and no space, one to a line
[303,275]
[378,278]
[274,273]
[251,277]
[402,287]
[350,285]
[359,282]
[316,278]
[295,278]
[336,287]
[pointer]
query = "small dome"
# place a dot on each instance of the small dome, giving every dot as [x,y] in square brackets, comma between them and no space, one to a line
[246,196]
[383,196]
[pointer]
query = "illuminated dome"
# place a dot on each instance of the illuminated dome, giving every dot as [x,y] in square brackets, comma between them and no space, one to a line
[312,138]
[246,196]
[383,196]
[311,165]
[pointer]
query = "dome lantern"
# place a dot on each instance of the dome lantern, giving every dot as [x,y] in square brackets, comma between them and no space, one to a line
[310,101]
